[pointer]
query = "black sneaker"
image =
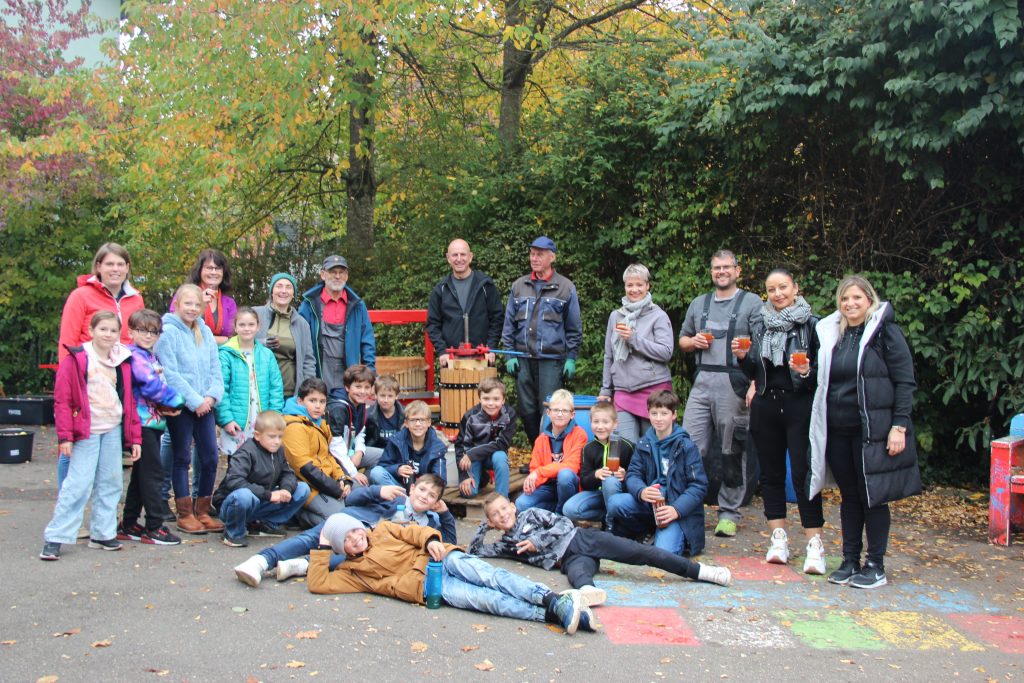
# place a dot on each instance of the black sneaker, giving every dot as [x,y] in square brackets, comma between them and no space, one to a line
[265,530]
[131,532]
[846,571]
[110,544]
[871,576]
[232,542]
[160,536]
[524,469]
[51,552]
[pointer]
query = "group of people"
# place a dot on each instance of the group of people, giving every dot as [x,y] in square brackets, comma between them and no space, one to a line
[312,433]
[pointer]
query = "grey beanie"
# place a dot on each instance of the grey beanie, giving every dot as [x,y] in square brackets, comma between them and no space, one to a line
[336,528]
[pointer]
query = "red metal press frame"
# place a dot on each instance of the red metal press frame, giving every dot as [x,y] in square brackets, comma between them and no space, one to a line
[411,317]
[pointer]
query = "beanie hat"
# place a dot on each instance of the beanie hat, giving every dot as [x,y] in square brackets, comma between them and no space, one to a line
[283,276]
[336,528]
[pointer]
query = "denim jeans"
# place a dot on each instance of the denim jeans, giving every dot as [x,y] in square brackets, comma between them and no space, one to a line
[183,428]
[593,505]
[499,463]
[167,463]
[94,469]
[633,518]
[297,546]
[381,477]
[551,495]
[63,463]
[242,506]
[470,583]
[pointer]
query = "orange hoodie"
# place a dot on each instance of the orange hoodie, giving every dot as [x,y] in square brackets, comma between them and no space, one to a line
[89,297]
[542,462]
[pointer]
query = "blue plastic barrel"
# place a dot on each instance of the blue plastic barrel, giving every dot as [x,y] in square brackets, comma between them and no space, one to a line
[1017,425]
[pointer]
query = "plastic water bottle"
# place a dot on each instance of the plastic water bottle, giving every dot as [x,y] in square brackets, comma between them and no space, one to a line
[400,516]
[432,589]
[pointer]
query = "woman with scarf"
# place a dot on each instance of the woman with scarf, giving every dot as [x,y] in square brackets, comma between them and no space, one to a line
[286,333]
[780,411]
[637,348]
[212,274]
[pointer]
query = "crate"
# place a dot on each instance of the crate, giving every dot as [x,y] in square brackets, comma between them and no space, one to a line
[410,371]
[16,446]
[27,410]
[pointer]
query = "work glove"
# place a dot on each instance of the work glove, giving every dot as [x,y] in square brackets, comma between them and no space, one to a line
[569,370]
[512,366]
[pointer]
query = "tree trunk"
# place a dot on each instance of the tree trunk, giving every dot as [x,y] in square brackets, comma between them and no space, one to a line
[361,180]
[515,67]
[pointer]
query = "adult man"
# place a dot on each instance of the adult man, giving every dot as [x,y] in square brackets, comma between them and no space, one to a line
[542,320]
[465,295]
[338,322]
[718,396]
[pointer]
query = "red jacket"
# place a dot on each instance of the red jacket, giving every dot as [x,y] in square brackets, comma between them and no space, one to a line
[542,462]
[71,411]
[89,297]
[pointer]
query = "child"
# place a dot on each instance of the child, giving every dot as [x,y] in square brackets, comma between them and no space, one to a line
[485,435]
[252,382]
[346,411]
[94,410]
[547,540]
[154,400]
[666,484]
[598,481]
[555,464]
[259,484]
[384,418]
[423,507]
[189,354]
[307,438]
[392,560]
[414,450]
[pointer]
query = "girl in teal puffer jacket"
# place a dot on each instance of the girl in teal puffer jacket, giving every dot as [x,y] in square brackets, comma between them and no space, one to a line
[252,382]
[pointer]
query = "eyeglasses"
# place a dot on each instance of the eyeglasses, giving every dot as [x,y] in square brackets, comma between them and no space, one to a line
[417,420]
[212,268]
[146,330]
[716,269]
[560,411]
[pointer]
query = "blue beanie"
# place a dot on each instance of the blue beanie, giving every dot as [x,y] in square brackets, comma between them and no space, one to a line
[283,276]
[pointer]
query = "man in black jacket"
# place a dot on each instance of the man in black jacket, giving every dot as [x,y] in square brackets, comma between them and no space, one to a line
[465,294]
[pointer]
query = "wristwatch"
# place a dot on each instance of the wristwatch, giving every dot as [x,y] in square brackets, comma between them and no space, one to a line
[902,430]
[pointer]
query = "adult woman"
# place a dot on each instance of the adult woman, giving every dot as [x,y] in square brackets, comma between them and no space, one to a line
[637,347]
[780,411]
[286,333]
[106,289]
[212,274]
[860,424]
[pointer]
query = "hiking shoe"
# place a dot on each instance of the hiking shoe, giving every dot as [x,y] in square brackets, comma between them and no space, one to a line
[565,611]
[712,574]
[110,544]
[50,552]
[587,621]
[871,576]
[265,530]
[778,551]
[232,542]
[286,569]
[814,563]
[161,536]
[726,527]
[251,571]
[846,571]
[131,532]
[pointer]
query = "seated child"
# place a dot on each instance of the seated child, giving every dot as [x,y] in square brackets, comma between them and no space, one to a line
[384,417]
[547,540]
[414,450]
[485,434]
[555,465]
[423,507]
[666,484]
[346,412]
[307,438]
[392,560]
[259,484]
[597,481]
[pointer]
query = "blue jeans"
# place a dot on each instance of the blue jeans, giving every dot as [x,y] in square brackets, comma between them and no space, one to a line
[63,463]
[593,505]
[551,495]
[167,462]
[242,506]
[631,517]
[183,428]
[470,583]
[297,546]
[381,477]
[499,463]
[94,470]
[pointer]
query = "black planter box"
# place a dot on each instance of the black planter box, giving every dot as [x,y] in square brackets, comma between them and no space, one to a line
[26,410]
[15,446]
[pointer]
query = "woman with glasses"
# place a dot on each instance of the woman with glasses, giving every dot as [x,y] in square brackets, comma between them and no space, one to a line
[212,274]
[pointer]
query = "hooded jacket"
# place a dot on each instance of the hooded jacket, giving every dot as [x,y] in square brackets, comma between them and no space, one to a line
[348,420]
[71,411]
[307,448]
[150,388]
[193,370]
[885,390]
[257,469]
[360,345]
[235,371]
[550,534]
[542,459]
[84,301]
[399,452]
[483,306]
[305,359]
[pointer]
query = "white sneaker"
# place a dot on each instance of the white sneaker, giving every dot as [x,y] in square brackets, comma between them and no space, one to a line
[711,574]
[286,569]
[592,596]
[778,553]
[251,571]
[815,562]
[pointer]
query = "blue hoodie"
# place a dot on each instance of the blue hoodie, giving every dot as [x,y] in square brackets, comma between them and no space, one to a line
[293,407]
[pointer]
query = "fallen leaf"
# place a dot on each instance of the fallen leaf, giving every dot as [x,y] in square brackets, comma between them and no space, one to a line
[418,646]
[655,574]
[149,606]
[470,648]
[69,632]
[251,679]
[102,643]
[295,664]
[485,665]
[307,635]
[158,672]
[47,679]
[239,610]
[555,629]
[8,642]
[480,628]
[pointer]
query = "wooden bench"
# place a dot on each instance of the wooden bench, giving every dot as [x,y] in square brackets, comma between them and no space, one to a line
[472,509]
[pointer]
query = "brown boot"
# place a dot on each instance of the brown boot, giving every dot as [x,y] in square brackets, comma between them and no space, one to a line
[186,520]
[203,515]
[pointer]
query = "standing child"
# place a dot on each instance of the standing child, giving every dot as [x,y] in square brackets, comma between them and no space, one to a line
[189,354]
[94,412]
[259,484]
[413,451]
[252,382]
[155,400]
[666,484]
[555,464]
[603,470]
[485,434]
[384,418]
[346,412]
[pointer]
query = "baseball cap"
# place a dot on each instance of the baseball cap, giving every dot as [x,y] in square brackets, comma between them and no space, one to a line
[333,262]
[544,242]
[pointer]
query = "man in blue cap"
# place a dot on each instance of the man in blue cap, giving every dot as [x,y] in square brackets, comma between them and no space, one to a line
[542,320]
